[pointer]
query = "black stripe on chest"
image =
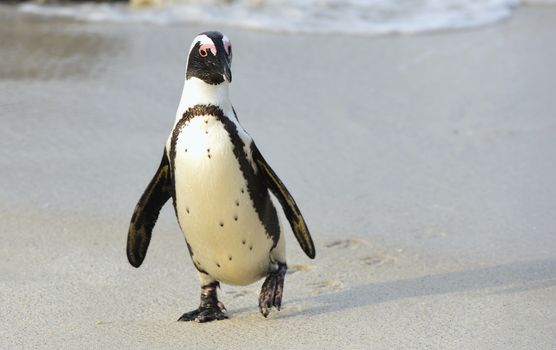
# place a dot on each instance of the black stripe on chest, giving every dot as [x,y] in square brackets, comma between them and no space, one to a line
[256,189]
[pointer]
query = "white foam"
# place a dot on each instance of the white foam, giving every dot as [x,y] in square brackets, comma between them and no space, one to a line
[302,16]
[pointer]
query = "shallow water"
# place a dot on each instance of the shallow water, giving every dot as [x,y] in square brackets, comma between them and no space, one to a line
[301,16]
[37,50]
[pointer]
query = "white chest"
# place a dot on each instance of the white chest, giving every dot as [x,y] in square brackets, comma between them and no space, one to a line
[215,211]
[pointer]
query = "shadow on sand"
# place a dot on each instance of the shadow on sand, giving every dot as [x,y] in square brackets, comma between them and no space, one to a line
[510,278]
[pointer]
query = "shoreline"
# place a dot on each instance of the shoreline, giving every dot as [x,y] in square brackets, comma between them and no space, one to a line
[292,19]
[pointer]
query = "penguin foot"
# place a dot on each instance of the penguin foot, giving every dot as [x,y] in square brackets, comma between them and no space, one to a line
[272,290]
[210,309]
[205,314]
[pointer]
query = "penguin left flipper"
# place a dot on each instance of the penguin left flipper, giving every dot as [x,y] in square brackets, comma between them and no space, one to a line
[293,214]
[146,212]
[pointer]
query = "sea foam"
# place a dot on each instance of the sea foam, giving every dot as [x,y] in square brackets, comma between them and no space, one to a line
[301,16]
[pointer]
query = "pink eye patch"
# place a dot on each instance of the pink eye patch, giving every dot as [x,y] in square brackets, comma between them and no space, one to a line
[203,49]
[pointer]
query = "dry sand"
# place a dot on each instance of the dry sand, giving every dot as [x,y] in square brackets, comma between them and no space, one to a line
[425,166]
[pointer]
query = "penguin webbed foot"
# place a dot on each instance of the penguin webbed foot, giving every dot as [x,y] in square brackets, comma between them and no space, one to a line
[210,308]
[272,290]
[205,314]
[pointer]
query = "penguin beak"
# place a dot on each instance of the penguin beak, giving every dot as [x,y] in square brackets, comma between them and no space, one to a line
[226,71]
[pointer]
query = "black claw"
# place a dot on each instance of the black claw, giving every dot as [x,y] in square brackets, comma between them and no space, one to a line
[272,290]
[190,316]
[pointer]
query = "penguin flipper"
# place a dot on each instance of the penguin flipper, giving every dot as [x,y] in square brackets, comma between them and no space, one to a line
[293,214]
[146,212]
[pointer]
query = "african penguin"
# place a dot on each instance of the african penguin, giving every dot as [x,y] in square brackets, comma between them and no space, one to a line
[219,183]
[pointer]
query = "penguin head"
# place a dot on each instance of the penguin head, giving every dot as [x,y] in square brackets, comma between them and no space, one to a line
[210,58]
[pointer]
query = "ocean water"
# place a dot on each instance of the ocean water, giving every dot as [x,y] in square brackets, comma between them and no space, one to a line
[301,16]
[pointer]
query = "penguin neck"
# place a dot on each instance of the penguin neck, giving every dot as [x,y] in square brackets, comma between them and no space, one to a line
[197,92]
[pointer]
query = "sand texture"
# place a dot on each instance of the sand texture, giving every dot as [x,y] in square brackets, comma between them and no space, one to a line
[425,167]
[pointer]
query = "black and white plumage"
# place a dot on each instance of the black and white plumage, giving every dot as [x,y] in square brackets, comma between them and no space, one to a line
[219,183]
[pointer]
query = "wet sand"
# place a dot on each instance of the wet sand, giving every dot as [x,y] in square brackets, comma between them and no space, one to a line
[423,164]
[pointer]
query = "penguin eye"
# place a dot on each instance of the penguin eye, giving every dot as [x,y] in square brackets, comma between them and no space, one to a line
[203,50]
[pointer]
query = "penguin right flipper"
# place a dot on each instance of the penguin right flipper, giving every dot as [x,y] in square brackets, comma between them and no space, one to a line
[146,212]
[293,214]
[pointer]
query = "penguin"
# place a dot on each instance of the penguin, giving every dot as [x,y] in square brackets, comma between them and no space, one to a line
[220,186]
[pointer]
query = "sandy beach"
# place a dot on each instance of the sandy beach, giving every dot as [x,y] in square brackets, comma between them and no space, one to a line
[425,167]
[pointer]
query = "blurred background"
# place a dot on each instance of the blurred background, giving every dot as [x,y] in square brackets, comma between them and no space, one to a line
[295,16]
